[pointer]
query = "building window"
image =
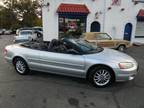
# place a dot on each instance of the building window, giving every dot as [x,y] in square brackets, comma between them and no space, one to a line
[139,30]
[72,19]
[140,24]
[69,27]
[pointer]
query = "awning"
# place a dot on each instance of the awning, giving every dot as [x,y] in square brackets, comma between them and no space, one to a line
[73,8]
[140,16]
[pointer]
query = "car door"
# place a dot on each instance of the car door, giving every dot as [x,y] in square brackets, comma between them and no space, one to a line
[104,40]
[61,63]
[106,43]
[33,58]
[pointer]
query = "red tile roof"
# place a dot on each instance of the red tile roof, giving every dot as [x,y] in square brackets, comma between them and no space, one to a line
[73,8]
[141,13]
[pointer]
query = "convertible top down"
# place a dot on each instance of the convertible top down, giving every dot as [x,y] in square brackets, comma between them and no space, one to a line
[72,57]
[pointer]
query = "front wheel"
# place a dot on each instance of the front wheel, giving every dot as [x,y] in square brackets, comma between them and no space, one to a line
[101,76]
[21,66]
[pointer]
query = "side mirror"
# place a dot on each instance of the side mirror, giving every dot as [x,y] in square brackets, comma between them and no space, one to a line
[111,38]
[72,51]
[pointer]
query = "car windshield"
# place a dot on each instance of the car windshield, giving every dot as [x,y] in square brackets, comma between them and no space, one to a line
[96,36]
[25,33]
[86,47]
[102,36]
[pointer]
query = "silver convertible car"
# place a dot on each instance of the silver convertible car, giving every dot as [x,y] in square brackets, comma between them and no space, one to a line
[72,57]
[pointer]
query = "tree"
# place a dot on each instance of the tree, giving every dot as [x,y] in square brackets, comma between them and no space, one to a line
[20,13]
[7,18]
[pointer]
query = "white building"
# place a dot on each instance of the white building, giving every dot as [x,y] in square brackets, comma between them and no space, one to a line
[116,17]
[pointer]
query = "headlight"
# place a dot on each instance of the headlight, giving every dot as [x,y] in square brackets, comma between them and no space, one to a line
[126,65]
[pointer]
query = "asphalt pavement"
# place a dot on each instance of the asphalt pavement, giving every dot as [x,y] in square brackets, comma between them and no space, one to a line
[41,90]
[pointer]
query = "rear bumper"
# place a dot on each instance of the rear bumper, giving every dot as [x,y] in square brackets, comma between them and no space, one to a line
[8,59]
[125,75]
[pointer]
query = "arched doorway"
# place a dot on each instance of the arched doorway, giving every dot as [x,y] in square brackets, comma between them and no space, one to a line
[95,27]
[128,32]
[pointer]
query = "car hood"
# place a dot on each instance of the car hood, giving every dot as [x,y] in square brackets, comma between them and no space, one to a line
[111,55]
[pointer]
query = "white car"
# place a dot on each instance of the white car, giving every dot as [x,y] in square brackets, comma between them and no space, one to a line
[8,32]
[2,31]
[73,57]
[25,35]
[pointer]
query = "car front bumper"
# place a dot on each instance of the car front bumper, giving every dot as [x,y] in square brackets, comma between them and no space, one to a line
[8,59]
[125,75]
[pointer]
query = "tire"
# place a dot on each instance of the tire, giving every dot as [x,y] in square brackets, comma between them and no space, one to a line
[97,78]
[21,66]
[39,35]
[122,48]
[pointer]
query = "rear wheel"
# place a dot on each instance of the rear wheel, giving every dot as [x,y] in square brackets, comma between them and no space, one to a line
[101,76]
[121,48]
[21,66]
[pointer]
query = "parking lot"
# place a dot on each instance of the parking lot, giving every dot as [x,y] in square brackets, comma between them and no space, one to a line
[41,90]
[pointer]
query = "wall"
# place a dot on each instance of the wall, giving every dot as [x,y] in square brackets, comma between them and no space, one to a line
[115,18]
[112,22]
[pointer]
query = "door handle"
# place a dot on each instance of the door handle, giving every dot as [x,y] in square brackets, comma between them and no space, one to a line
[126,33]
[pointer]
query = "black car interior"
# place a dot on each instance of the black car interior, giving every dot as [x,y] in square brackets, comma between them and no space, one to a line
[55,45]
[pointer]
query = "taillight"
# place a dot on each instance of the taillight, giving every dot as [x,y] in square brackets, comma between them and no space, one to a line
[5,52]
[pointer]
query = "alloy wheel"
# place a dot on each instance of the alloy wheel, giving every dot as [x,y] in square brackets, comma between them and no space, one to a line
[20,66]
[102,77]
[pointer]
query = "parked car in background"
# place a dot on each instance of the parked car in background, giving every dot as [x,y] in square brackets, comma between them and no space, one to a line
[24,28]
[8,32]
[73,57]
[104,40]
[38,28]
[25,35]
[39,31]
[17,31]
[2,31]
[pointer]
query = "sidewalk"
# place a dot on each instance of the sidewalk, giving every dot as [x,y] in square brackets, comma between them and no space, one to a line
[138,41]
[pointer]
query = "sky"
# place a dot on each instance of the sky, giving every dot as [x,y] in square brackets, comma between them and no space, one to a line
[1,2]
